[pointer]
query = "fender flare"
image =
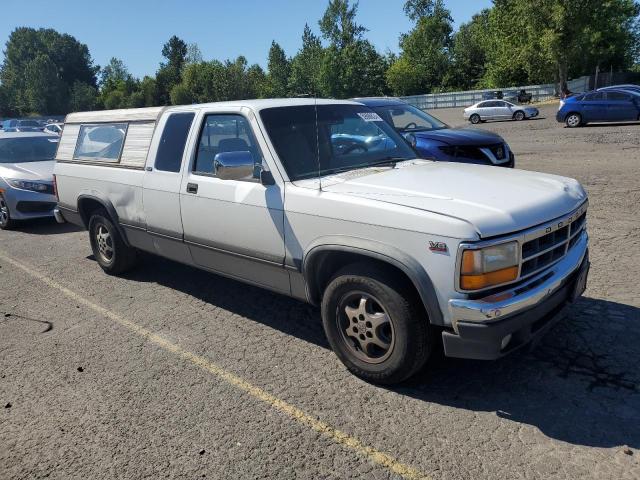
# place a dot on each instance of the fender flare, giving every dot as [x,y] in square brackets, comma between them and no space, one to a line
[381,252]
[108,206]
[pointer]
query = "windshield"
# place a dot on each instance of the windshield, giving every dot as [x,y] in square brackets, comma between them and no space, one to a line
[347,137]
[27,149]
[407,118]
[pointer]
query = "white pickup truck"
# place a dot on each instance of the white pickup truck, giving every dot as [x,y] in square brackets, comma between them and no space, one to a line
[323,201]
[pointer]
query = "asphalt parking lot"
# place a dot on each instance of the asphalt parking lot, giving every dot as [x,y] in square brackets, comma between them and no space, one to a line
[170,372]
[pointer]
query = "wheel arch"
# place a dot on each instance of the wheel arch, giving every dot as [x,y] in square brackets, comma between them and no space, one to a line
[90,202]
[323,260]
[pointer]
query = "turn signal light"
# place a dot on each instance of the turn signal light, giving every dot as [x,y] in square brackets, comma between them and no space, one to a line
[476,282]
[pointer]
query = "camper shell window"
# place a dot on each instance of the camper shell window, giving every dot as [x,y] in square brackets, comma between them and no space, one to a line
[101,142]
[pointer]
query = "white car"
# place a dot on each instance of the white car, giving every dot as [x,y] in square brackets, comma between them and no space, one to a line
[54,128]
[498,110]
[26,176]
[399,253]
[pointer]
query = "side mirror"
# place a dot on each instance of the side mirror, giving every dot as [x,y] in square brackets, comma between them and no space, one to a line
[233,165]
[411,138]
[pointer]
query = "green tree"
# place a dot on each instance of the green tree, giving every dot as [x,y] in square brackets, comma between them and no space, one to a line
[338,24]
[306,65]
[351,66]
[469,52]
[425,49]
[279,68]
[83,97]
[40,68]
[170,72]
[404,78]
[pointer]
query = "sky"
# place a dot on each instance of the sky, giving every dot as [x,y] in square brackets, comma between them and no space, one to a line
[135,30]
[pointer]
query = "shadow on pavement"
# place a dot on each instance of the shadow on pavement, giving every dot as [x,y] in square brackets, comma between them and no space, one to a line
[45,226]
[581,384]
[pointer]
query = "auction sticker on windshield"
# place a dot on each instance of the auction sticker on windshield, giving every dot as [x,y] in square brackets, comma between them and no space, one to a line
[370,116]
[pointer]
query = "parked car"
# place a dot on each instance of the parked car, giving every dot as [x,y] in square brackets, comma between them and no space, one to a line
[498,110]
[433,139]
[398,252]
[494,95]
[610,105]
[21,126]
[26,176]
[55,128]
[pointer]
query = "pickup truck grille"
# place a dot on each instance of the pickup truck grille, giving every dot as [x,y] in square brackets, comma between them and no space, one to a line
[550,246]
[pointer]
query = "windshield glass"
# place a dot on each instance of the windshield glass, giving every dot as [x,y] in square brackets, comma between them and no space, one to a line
[348,137]
[27,149]
[407,118]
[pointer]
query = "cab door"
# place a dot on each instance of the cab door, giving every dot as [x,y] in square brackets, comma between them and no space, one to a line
[161,186]
[594,107]
[233,227]
[620,107]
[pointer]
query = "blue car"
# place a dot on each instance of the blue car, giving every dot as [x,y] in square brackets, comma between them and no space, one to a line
[435,140]
[610,105]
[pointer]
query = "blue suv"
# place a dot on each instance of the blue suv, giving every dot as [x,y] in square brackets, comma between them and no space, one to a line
[435,140]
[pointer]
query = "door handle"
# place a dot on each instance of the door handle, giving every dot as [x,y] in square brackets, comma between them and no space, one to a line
[192,188]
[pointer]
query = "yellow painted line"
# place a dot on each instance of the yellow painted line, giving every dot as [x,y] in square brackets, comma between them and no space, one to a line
[338,436]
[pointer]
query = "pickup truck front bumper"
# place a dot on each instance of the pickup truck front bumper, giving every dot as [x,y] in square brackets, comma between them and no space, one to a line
[491,327]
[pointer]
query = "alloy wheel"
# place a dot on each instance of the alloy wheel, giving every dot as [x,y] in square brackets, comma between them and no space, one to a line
[573,120]
[104,242]
[4,213]
[365,327]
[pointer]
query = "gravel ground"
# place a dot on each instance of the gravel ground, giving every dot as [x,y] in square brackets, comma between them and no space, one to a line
[169,372]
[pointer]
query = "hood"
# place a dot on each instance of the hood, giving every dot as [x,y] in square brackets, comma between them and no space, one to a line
[36,171]
[461,136]
[495,201]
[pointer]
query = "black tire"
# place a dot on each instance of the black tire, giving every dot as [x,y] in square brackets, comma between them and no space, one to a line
[573,120]
[6,222]
[475,119]
[408,333]
[519,116]
[110,251]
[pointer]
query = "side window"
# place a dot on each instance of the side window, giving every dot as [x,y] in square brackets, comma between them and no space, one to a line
[618,96]
[594,97]
[172,142]
[225,133]
[102,142]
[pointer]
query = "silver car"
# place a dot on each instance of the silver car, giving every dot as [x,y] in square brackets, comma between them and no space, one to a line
[26,176]
[498,110]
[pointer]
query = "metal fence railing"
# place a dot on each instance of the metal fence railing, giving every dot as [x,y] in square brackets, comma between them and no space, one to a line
[464,99]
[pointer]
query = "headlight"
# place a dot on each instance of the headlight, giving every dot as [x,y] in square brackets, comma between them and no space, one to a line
[26,185]
[485,267]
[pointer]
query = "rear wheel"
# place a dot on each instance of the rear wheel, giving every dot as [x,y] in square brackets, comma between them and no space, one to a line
[374,325]
[475,118]
[108,247]
[6,223]
[519,115]
[573,120]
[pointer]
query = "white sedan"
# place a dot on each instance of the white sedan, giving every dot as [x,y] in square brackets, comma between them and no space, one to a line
[498,110]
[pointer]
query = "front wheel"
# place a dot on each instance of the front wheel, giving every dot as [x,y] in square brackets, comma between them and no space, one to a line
[475,118]
[573,120]
[108,247]
[519,116]
[374,325]
[6,223]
